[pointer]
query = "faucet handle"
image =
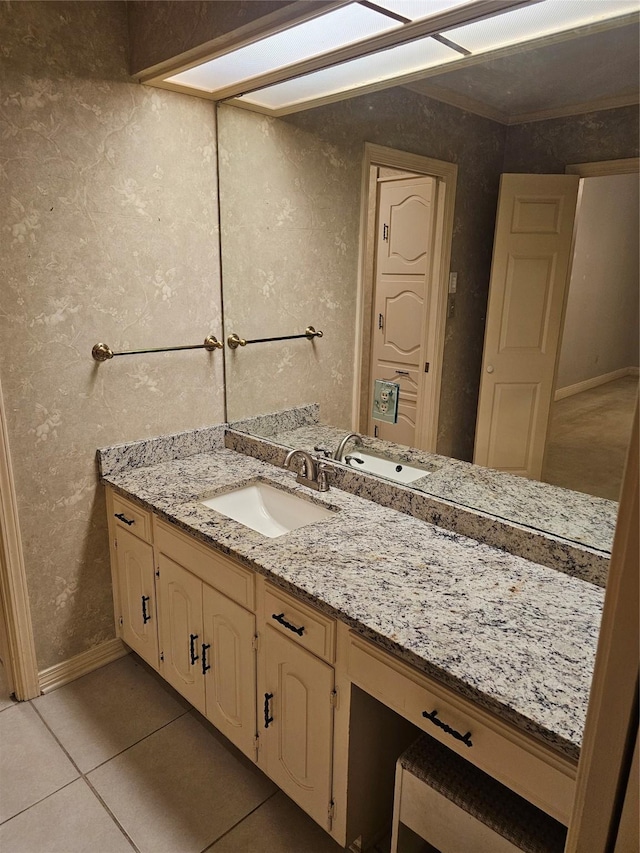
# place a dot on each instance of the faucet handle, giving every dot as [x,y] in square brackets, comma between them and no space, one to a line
[323,450]
[323,483]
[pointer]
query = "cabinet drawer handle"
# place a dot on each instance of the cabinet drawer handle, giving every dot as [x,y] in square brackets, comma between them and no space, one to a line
[433,716]
[192,648]
[146,617]
[205,665]
[267,719]
[124,518]
[280,618]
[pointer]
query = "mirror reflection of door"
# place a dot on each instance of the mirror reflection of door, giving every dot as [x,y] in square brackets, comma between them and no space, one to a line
[575,431]
[405,228]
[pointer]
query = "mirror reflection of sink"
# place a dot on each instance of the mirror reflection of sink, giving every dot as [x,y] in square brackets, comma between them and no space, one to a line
[368,463]
[268,510]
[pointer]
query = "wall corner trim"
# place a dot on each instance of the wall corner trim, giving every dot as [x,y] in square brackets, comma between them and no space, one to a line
[82,664]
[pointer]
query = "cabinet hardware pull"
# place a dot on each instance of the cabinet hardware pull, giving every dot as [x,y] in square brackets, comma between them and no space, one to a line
[280,618]
[433,716]
[192,648]
[267,718]
[146,617]
[124,518]
[205,665]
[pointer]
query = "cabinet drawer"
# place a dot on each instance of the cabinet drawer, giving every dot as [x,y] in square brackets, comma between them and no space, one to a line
[532,770]
[132,518]
[219,571]
[301,623]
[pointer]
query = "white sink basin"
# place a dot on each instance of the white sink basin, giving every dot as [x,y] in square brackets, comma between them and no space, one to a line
[267,510]
[401,472]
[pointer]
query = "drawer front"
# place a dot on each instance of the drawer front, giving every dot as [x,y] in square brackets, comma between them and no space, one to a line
[133,518]
[301,623]
[526,767]
[221,572]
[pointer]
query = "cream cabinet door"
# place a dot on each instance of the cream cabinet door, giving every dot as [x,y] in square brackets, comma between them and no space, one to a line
[137,595]
[180,619]
[228,662]
[297,723]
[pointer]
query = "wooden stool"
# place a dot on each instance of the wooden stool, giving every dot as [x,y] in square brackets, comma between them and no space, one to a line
[457,808]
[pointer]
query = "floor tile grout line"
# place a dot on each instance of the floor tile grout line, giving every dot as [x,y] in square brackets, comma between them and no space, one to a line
[116,754]
[111,814]
[212,844]
[42,800]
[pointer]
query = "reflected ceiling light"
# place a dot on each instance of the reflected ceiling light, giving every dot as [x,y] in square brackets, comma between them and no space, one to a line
[346,25]
[531,22]
[417,10]
[365,71]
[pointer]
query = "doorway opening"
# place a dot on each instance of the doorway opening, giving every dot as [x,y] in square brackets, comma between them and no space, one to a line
[597,374]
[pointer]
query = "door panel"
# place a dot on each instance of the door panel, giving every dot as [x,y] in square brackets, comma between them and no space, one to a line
[298,742]
[180,595]
[404,257]
[527,293]
[137,595]
[230,683]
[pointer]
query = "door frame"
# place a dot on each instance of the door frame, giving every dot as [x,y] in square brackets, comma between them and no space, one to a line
[21,660]
[446,173]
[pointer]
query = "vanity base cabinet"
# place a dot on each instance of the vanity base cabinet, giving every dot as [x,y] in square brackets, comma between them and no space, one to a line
[296,733]
[229,661]
[207,652]
[136,593]
[180,621]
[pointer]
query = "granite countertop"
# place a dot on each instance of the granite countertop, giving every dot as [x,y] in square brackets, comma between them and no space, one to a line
[517,638]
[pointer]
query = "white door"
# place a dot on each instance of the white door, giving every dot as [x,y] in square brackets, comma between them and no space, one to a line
[404,261]
[527,293]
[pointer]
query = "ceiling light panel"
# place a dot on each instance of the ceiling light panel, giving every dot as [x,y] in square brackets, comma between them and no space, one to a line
[417,10]
[535,21]
[338,28]
[366,70]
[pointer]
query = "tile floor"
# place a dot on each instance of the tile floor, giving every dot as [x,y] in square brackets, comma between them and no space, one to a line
[117,762]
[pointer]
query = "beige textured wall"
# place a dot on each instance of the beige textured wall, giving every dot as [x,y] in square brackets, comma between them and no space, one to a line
[108,224]
[290,205]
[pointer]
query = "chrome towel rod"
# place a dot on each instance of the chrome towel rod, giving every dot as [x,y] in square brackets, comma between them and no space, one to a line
[103,352]
[234,341]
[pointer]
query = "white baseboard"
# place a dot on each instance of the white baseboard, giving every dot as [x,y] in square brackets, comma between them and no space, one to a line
[570,390]
[82,664]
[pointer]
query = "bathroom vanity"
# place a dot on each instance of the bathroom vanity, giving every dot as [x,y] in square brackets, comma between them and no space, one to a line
[321,652]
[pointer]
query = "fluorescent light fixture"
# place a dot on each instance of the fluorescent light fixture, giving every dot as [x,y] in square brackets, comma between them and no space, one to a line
[338,28]
[366,70]
[536,21]
[417,10]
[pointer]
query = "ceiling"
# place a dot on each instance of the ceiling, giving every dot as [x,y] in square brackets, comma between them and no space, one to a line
[595,71]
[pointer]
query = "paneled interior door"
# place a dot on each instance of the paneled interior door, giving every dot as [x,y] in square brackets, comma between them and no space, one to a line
[404,261]
[527,293]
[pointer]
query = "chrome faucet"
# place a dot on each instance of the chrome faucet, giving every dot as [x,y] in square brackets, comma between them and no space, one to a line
[311,474]
[340,449]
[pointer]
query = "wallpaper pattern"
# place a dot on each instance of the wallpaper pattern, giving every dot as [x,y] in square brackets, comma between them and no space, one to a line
[109,233]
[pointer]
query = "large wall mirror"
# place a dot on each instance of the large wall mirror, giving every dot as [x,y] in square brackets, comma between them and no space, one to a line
[295,254]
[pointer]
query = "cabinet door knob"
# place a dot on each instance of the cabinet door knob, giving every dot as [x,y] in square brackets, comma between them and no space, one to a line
[192,648]
[267,718]
[205,665]
[490,368]
[146,617]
